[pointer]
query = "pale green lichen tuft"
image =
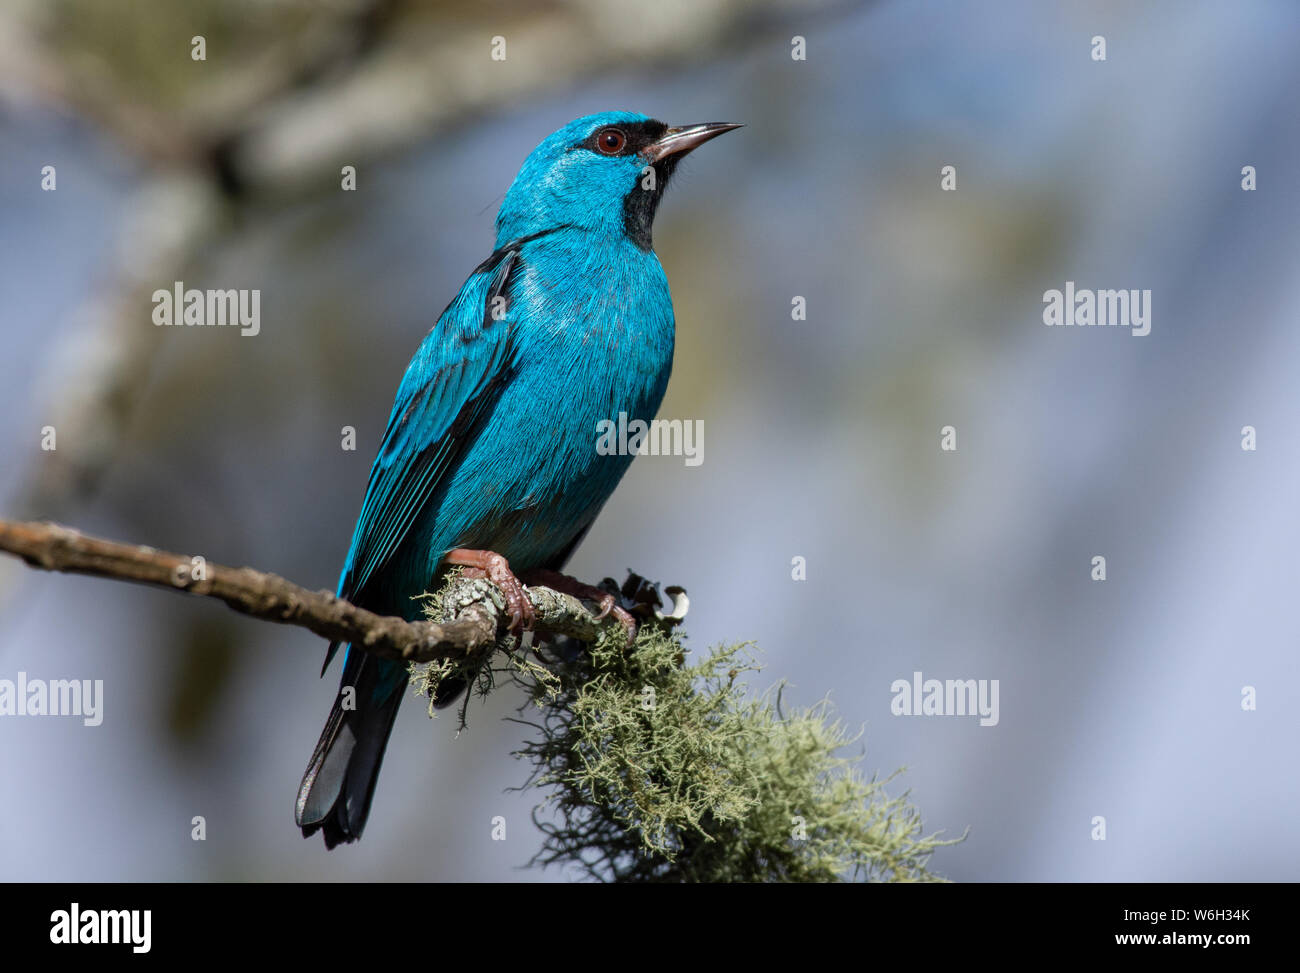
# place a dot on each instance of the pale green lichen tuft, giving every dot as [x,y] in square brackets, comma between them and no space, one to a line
[656,770]
[662,771]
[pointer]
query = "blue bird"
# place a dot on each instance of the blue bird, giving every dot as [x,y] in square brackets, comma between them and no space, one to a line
[489,458]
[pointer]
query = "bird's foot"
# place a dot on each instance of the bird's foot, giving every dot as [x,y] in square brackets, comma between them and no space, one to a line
[565,584]
[495,568]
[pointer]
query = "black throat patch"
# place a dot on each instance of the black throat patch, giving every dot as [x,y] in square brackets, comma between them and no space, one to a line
[640,204]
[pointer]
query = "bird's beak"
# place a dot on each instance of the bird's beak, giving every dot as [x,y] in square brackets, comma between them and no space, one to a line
[679,141]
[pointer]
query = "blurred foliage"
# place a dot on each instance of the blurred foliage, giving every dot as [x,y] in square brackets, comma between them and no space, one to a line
[201,677]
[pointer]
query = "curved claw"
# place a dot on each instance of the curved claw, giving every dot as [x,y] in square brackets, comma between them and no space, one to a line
[606,606]
[495,568]
[572,586]
[629,623]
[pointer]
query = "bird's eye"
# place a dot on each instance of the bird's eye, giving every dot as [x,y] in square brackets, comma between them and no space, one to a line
[610,141]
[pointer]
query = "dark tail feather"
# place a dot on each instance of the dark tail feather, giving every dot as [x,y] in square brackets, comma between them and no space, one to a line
[340,779]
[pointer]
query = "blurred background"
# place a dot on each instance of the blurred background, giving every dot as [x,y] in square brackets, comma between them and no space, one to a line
[1119,699]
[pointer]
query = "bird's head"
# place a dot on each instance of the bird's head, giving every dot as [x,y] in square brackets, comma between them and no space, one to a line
[603,173]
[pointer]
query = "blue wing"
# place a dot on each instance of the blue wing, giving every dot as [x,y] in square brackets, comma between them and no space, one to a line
[453,380]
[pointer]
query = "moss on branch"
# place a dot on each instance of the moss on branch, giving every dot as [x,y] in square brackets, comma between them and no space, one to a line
[659,768]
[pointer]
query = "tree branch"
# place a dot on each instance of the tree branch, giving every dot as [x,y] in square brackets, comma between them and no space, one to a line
[477,607]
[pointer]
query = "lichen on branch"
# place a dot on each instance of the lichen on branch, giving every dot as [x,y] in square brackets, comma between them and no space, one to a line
[658,768]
